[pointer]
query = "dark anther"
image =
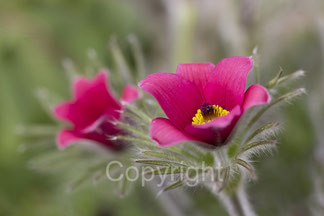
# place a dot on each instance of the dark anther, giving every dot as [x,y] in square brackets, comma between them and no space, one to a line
[206,109]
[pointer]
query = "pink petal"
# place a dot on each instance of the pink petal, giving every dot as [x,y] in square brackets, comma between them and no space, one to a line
[255,95]
[216,131]
[80,86]
[178,97]
[92,127]
[66,138]
[100,93]
[198,73]
[130,94]
[104,122]
[62,110]
[80,115]
[101,138]
[226,87]
[90,104]
[165,133]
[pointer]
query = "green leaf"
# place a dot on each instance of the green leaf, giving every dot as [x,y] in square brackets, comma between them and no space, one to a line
[120,61]
[166,171]
[174,185]
[161,163]
[99,175]
[247,166]
[70,69]
[253,145]
[93,64]
[78,182]
[285,97]
[162,155]
[124,186]
[139,113]
[132,130]
[233,183]
[43,144]
[132,139]
[146,109]
[148,146]
[256,57]
[53,160]
[209,159]
[232,149]
[89,175]
[184,152]
[132,116]
[48,101]
[291,76]
[37,130]
[138,56]
[226,174]
[196,150]
[272,83]
[261,130]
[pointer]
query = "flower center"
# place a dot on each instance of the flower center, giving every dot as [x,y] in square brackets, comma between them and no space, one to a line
[208,112]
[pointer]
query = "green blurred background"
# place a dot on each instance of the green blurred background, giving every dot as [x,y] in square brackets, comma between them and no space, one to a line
[37,35]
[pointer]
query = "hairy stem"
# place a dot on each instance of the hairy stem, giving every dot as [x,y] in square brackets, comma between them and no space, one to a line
[175,203]
[236,203]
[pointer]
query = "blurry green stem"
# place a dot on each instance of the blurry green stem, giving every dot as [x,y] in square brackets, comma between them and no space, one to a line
[257,75]
[236,203]
[166,201]
[231,195]
[184,26]
[256,64]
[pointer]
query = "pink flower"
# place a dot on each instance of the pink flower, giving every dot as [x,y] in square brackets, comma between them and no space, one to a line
[91,110]
[203,102]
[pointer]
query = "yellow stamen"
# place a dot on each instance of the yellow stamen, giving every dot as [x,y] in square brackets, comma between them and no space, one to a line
[199,118]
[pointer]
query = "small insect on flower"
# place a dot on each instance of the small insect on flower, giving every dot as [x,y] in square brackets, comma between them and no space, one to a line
[92,111]
[203,102]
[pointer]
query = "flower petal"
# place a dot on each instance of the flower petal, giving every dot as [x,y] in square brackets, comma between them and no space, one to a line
[130,94]
[104,122]
[61,111]
[90,104]
[198,73]
[216,131]
[66,138]
[165,133]
[94,125]
[101,138]
[80,86]
[226,87]
[100,93]
[255,95]
[178,97]
[80,115]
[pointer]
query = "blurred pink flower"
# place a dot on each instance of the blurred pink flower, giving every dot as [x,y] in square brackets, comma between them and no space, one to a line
[203,102]
[91,110]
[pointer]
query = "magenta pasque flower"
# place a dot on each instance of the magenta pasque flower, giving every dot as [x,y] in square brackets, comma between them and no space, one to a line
[203,102]
[91,112]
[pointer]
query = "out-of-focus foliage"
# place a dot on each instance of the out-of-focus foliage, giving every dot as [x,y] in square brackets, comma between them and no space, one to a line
[36,35]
